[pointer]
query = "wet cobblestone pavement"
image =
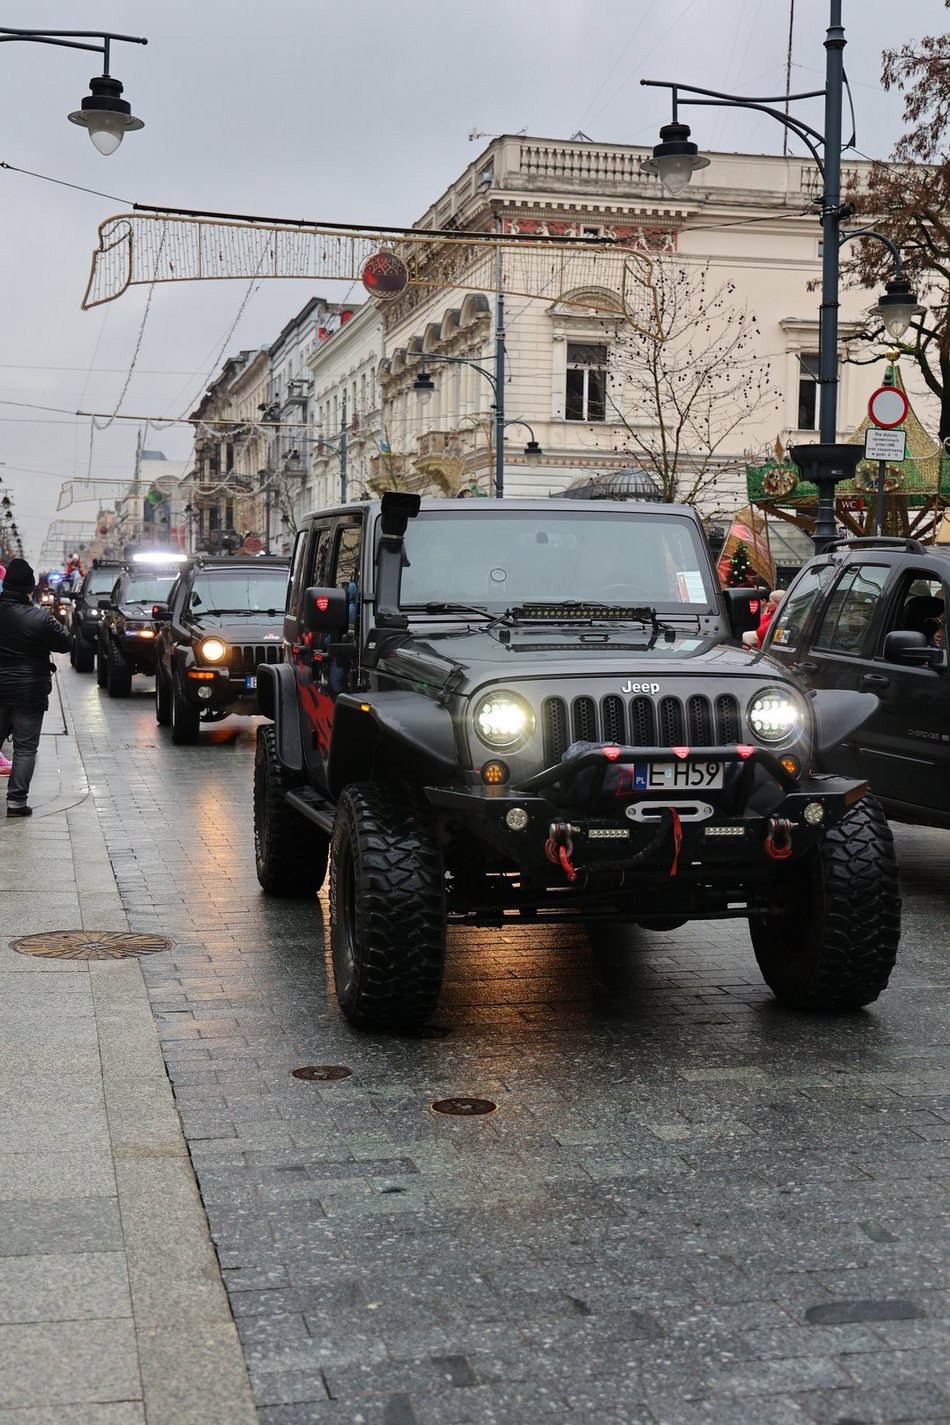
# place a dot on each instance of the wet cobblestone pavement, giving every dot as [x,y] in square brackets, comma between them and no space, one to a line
[690,1205]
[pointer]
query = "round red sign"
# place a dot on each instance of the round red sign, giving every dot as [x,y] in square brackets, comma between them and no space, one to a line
[888,407]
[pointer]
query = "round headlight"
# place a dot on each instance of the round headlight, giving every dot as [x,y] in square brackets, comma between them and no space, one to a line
[776,715]
[212,650]
[503,720]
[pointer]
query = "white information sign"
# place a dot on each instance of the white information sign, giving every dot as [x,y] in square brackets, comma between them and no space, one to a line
[881,444]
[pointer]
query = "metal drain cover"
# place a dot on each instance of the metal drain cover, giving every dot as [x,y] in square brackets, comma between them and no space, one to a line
[322,1073]
[464,1107]
[90,944]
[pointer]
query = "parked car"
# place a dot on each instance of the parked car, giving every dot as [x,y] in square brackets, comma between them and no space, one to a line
[127,628]
[222,618]
[88,599]
[867,616]
[539,708]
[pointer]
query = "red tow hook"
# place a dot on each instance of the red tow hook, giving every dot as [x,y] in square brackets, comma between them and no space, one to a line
[778,838]
[559,846]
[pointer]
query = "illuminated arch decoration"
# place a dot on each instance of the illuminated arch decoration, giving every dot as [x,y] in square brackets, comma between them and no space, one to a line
[141,248]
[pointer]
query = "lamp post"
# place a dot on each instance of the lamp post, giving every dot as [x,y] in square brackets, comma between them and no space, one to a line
[425,389]
[106,115]
[341,448]
[676,158]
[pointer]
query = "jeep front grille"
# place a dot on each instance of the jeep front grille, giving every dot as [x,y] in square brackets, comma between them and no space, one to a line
[243,659]
[638,722]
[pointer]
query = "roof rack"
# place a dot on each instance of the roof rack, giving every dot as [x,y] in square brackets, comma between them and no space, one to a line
[881,541]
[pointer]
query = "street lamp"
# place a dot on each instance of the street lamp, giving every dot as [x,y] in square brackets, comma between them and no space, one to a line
[106,115]
[674,161]
[532,451]
[425,389]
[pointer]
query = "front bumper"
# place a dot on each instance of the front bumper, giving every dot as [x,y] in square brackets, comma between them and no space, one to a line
[220,690]
[708,860]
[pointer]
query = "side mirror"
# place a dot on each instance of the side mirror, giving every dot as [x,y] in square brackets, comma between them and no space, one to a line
[104,601]
[902,645]
[744,609]
[161,612]
[325,610]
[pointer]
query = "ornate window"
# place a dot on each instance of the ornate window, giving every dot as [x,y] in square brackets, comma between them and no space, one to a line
[586,384]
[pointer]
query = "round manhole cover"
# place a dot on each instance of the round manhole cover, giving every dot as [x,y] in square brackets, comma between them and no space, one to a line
[464,1107]
[322,1073]
[90,944]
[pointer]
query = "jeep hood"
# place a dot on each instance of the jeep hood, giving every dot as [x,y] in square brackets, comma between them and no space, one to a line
[478,656]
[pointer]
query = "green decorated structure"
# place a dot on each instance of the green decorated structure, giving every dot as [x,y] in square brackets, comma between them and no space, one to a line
[917,490]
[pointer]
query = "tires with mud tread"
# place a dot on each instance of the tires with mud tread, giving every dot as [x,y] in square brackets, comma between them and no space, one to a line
[118,673]
[186,718]
[101,661]
[291,853]
[387,908]
[163,701]
[833,949]
[82,655]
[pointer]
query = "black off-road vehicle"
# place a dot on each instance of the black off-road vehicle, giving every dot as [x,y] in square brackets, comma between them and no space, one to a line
[869,615]
[88,601]
[222,618]
[127,627]
[539,709]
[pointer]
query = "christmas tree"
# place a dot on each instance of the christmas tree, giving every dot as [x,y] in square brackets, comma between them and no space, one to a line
[740,567]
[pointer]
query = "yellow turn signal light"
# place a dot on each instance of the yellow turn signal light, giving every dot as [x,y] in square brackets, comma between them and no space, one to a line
[494,774]
[791,765]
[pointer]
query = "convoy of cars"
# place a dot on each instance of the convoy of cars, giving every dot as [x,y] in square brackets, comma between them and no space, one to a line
[542,710]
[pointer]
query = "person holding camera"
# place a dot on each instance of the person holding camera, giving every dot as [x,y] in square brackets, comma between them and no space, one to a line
[28,635]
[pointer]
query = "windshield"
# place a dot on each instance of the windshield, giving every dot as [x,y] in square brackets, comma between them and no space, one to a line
[148,588]
[253,590]
[100,581]
[499,561]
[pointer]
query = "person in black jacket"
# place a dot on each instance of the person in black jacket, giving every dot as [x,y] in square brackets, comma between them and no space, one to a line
[28,635]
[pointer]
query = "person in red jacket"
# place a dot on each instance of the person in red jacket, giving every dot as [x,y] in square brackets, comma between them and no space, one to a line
[768,613]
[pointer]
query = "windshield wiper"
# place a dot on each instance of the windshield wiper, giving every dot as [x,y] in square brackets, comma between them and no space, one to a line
[200,613]
[458,609]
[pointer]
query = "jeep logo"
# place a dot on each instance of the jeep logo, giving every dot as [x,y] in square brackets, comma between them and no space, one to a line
[629,687]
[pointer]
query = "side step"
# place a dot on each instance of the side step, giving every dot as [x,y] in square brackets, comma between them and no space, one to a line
[314,807]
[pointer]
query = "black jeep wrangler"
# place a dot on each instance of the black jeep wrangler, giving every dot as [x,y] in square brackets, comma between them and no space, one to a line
[539,709]
[127,628]
[88,602]
[221,619]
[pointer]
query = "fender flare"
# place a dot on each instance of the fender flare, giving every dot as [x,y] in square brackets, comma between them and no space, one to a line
[277,700]
[409,722]
[839,712]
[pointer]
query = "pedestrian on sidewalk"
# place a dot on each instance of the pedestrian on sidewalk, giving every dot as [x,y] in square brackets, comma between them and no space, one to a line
[28,635]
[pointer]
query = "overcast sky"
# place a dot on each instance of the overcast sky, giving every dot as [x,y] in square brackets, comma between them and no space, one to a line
[348,112]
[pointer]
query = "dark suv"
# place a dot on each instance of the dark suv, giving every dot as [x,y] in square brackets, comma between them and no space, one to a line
[127,627]
[538,708]
[88,599]
[867,616]
[222,618]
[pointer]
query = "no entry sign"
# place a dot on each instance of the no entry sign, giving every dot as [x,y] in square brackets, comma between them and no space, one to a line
[888,407]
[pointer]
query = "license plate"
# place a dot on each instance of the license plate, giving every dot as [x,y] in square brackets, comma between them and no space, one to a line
[666,776]
[250,681]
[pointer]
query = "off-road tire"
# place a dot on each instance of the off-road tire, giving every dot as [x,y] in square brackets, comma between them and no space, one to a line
[387,908]
[118,672]
[186,718]
[291,853]
[82,655]
[833,949]
[101,662]
[163,698]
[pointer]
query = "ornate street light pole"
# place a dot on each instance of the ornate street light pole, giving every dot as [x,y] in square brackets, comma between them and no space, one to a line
[674,161]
